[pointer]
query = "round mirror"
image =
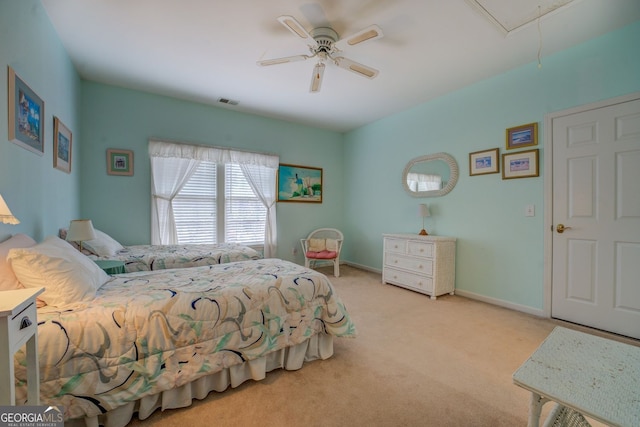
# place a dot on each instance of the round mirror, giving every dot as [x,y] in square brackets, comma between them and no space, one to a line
[430,176]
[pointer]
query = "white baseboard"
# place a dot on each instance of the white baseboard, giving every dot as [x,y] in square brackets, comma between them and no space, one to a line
[470,295]
[361,267]
[501,303]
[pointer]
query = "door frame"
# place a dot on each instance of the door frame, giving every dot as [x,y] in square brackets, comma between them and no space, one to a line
[548,185]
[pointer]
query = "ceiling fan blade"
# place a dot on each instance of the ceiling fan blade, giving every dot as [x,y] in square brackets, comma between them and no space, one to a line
[296,28]
[356,67]
[284,60]
[370,33]
[316,78]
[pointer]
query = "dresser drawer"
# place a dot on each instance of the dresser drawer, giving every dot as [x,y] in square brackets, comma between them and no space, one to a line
[420,249]
[395,245]
[403,278]
[23,325]
[418,265]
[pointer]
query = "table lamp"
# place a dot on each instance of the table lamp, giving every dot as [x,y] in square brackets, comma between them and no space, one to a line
[80,230]
[6,216]
[424,212]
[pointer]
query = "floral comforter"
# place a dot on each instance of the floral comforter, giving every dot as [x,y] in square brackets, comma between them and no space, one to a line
[161,257]
[148,332]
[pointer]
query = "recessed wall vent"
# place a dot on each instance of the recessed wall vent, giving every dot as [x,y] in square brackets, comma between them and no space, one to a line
[227,101]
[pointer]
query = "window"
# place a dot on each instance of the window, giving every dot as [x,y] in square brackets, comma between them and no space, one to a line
[203,194]
[196,208]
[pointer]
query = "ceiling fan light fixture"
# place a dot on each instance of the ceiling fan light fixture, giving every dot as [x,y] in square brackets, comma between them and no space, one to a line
[316,79]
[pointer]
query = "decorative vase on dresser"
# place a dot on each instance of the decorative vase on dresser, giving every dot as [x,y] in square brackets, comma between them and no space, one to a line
[425,264]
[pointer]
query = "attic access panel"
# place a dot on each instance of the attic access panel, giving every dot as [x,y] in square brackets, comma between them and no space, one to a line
[510,15]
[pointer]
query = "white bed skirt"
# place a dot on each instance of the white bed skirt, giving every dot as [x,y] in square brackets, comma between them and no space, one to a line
[319,346]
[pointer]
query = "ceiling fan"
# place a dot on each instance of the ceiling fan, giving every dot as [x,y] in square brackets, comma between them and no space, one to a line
[324,44]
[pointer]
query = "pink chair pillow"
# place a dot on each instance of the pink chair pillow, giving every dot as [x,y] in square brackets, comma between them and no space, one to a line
[322,254]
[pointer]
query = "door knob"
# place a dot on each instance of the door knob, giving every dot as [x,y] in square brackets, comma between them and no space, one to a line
[560,228]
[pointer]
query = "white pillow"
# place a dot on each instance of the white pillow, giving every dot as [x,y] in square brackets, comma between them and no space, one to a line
[8,280]
[67,275]
[103,245]
[317,245]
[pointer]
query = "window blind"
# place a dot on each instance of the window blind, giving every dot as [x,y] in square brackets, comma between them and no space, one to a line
[199,212]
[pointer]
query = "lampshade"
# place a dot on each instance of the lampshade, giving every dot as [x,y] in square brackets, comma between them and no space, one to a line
[5,214]
[80,230]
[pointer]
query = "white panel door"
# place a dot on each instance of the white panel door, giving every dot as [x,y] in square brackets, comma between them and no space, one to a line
[596,197]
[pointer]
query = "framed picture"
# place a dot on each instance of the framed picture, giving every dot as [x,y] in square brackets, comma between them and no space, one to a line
[26,115]
[299,184]
[61,146]
[523,164]
[522,136]
[119,162]
[484,162]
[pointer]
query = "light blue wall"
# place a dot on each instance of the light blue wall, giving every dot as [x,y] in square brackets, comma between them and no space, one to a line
[43,198]
[120,118]
[500,251]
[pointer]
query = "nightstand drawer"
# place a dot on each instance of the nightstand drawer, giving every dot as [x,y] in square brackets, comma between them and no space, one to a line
[418,265]
[22,326]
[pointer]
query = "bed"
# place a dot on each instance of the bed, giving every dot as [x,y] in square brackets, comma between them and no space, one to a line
[160,257]
[153,340]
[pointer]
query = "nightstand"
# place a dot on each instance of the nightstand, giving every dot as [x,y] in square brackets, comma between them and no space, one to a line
[111,266]
[19,325]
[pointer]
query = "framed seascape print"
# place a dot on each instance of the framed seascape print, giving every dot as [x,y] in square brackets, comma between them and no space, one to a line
[26,115]
[119,162]
[299,184]
[523,164]
[61,146]
[522,136]
[484,162]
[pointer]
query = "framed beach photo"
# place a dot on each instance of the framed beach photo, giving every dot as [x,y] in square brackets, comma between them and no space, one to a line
[522,136]
[484,162]
[119,162]
[299,184]
[523,164]
[26,115]
[61,146]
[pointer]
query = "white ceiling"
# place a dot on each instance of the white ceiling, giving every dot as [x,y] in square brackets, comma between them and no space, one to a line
[204,50]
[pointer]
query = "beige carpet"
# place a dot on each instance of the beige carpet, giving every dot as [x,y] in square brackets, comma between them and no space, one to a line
[415,362]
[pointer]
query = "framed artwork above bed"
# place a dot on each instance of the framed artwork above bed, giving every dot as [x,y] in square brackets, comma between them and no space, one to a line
[26,115]
[61,146]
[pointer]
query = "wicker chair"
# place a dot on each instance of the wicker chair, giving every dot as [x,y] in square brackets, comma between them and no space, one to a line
[323,244]
[561,416]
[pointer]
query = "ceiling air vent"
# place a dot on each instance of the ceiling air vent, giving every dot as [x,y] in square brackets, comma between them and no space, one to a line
[227,101]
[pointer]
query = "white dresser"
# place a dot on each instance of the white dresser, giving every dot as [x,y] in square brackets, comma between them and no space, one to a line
[425,264]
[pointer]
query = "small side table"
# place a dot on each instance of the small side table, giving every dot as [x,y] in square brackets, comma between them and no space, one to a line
[19,325]
[111,266]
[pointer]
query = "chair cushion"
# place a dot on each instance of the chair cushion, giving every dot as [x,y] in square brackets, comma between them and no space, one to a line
[321,254]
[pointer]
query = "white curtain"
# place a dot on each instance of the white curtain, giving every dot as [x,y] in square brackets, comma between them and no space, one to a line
[176,162]
[263,183]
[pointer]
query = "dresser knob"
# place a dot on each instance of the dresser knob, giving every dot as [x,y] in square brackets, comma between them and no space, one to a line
[25,322]
[420,266]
